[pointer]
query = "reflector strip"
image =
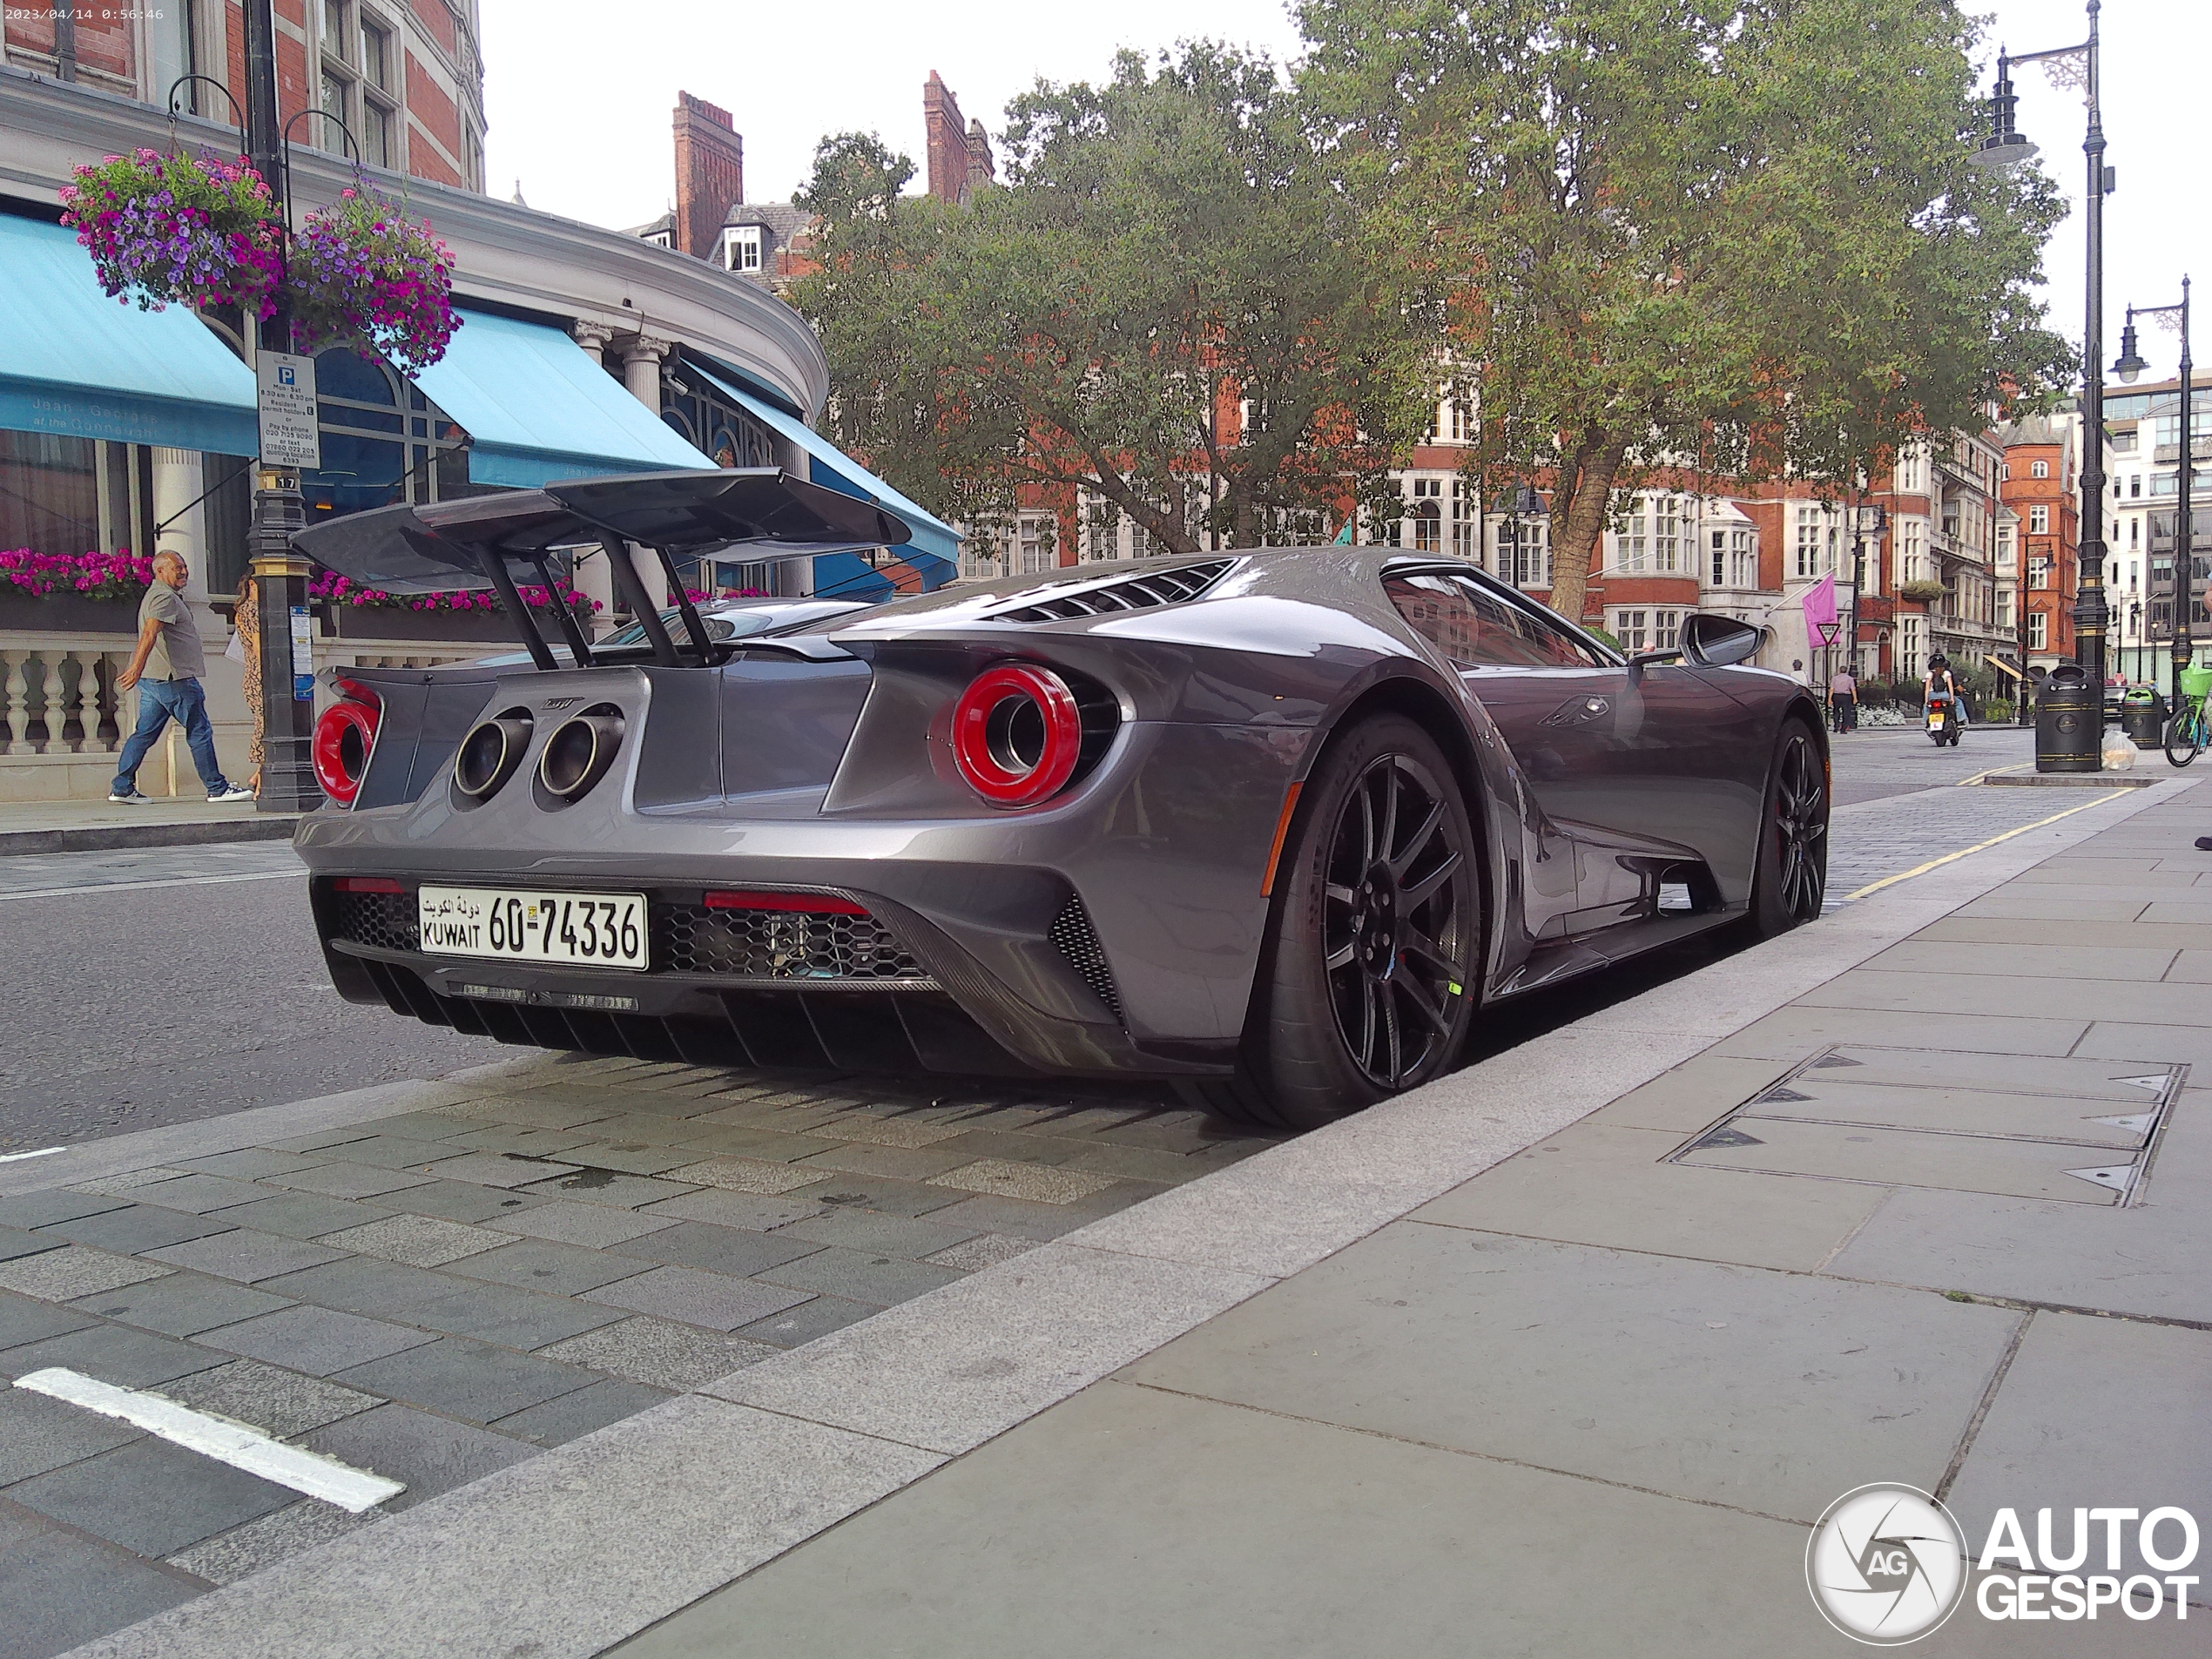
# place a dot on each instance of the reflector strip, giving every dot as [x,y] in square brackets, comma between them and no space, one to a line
[1282,833]
[366,884]
[813,904]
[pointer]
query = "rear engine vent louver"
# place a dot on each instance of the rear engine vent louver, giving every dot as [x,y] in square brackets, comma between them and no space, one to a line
[1144,592]
[1071,935]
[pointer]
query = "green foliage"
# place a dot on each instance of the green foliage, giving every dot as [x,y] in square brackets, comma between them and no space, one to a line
[1740,235]
[1165,250]
[1996,711]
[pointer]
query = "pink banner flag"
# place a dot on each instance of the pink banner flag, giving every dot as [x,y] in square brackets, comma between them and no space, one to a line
[1820,610]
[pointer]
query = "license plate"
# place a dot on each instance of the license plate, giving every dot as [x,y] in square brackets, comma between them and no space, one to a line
[1935,722]
[594,929]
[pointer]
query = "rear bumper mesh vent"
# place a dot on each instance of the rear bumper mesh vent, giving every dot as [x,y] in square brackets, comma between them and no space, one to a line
[777,945]
[385,921]
[1144,592]
[1072,937]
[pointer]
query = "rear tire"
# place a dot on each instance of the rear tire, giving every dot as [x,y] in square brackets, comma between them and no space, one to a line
[1790,881]
[1367,976]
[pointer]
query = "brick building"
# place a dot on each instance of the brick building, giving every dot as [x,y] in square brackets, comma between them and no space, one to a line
[405,75]
[959,153]
[2038,549]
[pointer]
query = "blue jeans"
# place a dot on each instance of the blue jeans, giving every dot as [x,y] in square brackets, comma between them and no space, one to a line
[161,702]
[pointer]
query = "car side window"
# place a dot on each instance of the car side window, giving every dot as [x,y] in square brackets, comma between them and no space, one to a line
[1554,645]
[1476,630]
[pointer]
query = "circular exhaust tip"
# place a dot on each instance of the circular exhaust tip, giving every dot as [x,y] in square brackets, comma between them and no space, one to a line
[491,752]
[580,750]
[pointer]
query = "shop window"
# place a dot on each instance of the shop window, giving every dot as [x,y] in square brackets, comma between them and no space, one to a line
[49,493]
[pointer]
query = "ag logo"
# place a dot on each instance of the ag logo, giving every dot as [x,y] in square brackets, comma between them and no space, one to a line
[1886,1564]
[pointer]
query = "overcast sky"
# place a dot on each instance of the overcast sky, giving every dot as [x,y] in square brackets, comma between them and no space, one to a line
[580,98]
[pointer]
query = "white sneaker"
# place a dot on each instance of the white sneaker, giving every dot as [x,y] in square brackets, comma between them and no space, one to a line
[134,799]
[232,791]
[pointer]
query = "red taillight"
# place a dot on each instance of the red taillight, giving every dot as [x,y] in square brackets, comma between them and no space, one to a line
[813,904]
[1016,734]
[367,884]
[343,737]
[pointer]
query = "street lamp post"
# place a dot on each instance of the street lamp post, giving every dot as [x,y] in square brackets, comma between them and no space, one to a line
[2005,148]
[2129,368]
[1867,520]
[279,574]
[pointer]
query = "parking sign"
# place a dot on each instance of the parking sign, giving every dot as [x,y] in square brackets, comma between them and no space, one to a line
[290,434]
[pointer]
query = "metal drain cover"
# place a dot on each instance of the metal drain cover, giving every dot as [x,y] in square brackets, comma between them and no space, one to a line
[1950,1119]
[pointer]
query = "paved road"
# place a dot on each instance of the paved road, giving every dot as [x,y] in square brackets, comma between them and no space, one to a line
[170,985]
[176,983]
[1876,762]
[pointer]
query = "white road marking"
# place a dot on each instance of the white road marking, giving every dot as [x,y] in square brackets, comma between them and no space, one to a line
[43,1152]
[139,886]
[227,1442]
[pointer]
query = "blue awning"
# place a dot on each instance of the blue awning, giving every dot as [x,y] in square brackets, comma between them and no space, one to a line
[832,465]
[77,363]
[539,409]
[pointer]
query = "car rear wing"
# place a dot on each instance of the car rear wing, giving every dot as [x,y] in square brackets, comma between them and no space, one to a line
[496,541]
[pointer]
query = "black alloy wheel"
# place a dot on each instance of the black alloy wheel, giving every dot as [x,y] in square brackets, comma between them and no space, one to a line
[1367,978]
[1790,882]
[1391,935]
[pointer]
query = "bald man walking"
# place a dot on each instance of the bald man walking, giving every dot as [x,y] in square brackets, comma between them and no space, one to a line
[166,668]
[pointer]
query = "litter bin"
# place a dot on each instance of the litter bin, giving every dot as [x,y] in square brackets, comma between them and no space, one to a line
[2142,716]
[2069,722]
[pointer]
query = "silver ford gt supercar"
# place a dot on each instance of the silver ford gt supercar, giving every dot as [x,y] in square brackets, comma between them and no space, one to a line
[1277,825]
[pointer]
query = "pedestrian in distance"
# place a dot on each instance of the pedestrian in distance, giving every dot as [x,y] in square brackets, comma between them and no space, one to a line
[166,668]
[1843,702]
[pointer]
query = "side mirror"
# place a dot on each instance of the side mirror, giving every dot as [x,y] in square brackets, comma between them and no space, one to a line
[1710,640]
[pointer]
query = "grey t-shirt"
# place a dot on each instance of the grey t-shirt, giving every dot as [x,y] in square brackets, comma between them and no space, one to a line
[177,654]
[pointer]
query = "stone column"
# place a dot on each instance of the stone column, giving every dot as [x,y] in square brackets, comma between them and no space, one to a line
[641,357]
[179,477]
[594,337]
[177,483]
[640,360]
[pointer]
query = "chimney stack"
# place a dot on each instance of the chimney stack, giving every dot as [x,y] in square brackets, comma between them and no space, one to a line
[709,174]
[960,154]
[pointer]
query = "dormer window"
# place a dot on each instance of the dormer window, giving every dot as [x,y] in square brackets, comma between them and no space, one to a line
[741,248]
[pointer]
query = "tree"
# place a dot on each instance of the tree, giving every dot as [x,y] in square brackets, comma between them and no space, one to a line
[1738,234]
[1164,303]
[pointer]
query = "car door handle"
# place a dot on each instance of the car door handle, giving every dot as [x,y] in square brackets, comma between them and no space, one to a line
[1582,711]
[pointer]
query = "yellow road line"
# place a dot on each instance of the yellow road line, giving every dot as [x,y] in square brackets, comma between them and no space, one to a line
[1951,858]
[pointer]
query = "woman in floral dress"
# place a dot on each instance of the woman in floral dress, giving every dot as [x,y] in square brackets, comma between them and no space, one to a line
[247,621]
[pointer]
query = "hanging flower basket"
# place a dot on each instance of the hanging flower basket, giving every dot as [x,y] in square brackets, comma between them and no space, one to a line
[363,275]
[178,230]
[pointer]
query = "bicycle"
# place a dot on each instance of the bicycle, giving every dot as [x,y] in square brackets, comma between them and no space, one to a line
[2187,734]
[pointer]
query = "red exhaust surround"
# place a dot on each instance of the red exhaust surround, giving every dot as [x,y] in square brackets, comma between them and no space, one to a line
[1017,734]
[343,737]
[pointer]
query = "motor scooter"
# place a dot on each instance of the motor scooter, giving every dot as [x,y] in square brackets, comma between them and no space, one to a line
[1943,720]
